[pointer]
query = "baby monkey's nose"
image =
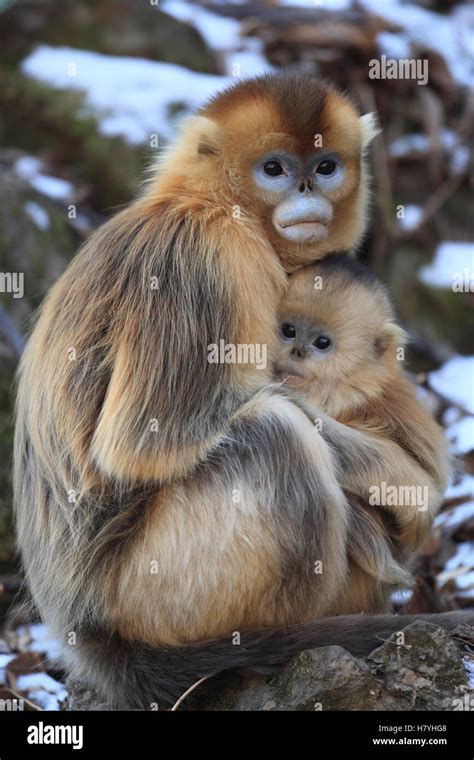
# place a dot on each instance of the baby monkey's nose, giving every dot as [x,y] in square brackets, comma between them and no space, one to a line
[298,352]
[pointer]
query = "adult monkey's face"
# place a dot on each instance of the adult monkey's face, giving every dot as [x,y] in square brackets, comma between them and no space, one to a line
[302,188]
[289,152]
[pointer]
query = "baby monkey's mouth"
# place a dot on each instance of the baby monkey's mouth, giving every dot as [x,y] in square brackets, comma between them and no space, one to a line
[288,374]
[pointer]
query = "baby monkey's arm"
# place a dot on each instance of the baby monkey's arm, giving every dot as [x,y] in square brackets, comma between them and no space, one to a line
[384,473]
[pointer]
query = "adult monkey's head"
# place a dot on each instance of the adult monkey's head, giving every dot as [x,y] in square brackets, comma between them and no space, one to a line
[285,151]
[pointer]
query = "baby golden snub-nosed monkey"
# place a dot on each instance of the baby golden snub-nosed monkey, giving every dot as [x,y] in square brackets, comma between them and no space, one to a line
[342,350]
[175,501]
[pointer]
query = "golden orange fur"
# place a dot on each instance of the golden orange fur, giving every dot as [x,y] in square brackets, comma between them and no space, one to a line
[359,381]
[162,500]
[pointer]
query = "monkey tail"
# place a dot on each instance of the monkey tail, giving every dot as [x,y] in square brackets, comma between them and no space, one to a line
[134,675]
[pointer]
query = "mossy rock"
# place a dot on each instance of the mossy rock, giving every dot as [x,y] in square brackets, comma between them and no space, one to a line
[41,254]
[444,318]
[115,27]
[39,118]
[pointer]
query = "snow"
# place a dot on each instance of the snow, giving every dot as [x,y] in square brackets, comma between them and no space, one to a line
[393,45]
[219,32]
[41,640]
[408,144]
[42,690]
[401,596]
[467,595]
[466,581]
[452,519]
[463,556]
[412,217]
[249,62]
[29,168]
[451,261]
[131,97]
[333,5]
[451,35]
[53,187]
[464,488]
[462,435]
[47,701]
[455,381]
[37,214]
[469,665]
[33,681]
[451,415]
[4,660]
[418,144]
[223,36]
[460,158]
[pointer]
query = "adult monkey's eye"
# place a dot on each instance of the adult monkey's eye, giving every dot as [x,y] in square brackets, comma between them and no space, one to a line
[326,167]
[273,168]
[288,330]
[322,342]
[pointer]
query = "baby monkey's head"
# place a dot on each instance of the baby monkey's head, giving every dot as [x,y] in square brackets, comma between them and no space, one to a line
[338,335]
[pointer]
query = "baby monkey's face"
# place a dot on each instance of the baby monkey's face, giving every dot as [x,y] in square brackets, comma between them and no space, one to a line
[304,347]
[335,326]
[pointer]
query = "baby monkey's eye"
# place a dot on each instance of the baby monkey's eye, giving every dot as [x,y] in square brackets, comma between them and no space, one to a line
[273,168]
[288,330]
[322,342]
[326,167]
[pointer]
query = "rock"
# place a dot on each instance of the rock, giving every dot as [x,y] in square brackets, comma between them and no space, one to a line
[36,238]
[328,678]
[421,664]
[434,314]
[57,123]
[117,27]
[83,699]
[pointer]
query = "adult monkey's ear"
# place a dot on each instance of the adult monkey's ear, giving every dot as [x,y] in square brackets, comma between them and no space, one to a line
[369,128]
[210,137]
[196,135]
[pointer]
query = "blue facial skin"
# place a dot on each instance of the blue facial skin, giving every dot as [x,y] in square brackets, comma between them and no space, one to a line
[302,211]
[293,171]
[303,345]
[305,340]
